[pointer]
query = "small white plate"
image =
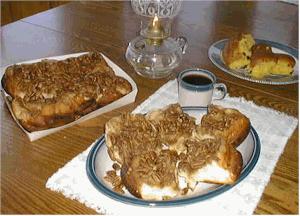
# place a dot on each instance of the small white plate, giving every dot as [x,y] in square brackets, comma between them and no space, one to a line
[99,162]
[215,55]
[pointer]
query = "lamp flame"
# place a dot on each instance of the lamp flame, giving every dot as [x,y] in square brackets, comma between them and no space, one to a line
[155,21]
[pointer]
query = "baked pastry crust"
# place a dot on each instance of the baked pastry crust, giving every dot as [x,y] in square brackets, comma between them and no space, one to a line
[52,93]
[231,124]
[261,49]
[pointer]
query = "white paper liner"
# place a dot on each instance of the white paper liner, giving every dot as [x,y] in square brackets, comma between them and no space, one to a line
[127,99]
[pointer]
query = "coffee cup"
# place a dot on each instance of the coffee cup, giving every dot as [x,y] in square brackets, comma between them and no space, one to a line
[197,88]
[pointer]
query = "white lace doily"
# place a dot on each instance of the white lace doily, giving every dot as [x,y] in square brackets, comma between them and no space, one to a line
[72,181]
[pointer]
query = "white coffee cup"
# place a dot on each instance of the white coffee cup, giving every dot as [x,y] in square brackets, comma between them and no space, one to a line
[196,88]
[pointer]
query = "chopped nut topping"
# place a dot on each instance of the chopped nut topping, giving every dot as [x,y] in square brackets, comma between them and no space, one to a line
[68,86]
[156,169]
[148,146]
[115,181]
[201,152]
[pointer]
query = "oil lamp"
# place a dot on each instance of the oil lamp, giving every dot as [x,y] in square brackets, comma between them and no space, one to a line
[154,54]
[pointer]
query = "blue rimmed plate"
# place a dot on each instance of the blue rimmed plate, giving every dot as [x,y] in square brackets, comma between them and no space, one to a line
[215,55]
[98,163]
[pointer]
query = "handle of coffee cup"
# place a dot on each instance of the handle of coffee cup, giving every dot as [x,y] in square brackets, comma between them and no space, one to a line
[223,88]
[182,42]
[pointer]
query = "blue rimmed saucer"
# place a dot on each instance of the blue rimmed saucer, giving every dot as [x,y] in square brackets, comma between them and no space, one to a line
[215,55]
[98,163]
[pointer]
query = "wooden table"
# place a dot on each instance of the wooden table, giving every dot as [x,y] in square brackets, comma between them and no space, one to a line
[108,27]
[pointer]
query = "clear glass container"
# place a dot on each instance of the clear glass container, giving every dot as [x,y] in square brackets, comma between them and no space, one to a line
[155,54]
[155,60]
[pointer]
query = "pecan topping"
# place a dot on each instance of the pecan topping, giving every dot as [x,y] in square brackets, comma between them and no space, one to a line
[50,79]
[48,91]
[115,181]
[156,169]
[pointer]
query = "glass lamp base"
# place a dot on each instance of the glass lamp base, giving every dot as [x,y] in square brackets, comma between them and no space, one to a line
[154,74]
[154,61]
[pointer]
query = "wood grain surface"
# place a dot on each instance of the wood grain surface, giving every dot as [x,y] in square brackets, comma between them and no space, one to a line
[108,27]
[14,10]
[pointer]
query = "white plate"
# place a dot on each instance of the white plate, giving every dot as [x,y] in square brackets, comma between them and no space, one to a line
[215,55]
[99,162]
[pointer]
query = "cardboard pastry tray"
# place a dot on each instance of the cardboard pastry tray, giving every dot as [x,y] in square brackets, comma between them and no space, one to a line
[127,99]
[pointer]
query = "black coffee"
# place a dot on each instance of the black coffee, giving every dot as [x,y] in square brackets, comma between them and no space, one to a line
[195,79]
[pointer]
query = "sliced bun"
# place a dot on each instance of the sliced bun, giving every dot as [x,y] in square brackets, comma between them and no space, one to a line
[164,154]
[173,126]
[237,51]
[265,62]
[231,124]
[152,176]
[129,135]
[209,159]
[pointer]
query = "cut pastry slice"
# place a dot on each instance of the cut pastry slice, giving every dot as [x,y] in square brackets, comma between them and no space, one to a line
[237,51]
[173,125]
[264,62]
[152,176]
[209,159]
[231,124]
[129,135]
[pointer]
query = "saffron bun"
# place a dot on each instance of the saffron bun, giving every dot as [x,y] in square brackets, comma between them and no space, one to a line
[237,51]
[264,62]
[241,52]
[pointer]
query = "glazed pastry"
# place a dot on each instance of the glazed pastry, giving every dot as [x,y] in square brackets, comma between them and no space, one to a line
[129,135]
[231,124]
[52,93]
[152,176]
[164,154]
[174,126]
[209,159]
[133,134]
